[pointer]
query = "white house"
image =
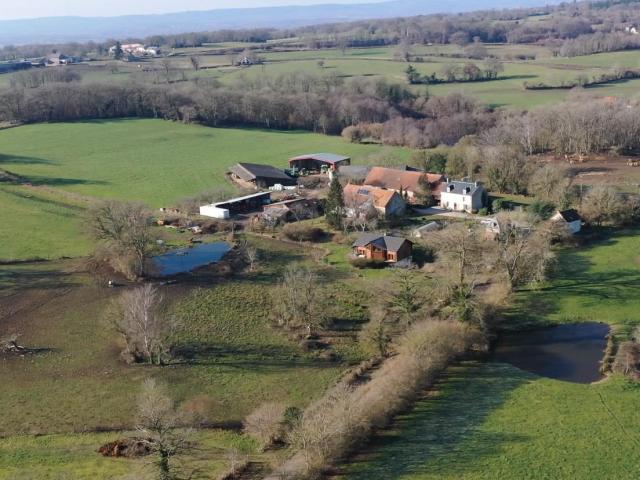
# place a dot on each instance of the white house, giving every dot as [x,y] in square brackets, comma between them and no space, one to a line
[571,218]
[463,196]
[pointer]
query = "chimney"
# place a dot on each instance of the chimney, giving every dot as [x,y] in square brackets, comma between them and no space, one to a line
[467,190]
[451,187]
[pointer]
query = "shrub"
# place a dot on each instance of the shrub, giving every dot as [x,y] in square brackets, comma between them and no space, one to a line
[266,423]
[362,263]
[303,233]
[499,204]
[484,211]
[542,209]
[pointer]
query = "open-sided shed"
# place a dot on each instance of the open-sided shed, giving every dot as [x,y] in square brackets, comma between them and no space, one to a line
[316,161]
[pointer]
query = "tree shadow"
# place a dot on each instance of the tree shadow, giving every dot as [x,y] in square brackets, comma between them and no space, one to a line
[28,277]
[20,160]
[256,357]
[444,433]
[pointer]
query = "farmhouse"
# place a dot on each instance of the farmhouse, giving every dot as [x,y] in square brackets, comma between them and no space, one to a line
[387,202]
[235,206]
[375,246]
[571,218]
[463,196]
[316,162]
[260,176]
[409,183]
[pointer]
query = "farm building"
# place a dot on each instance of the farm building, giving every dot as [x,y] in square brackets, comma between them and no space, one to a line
[375,246]
[571,218]
[405,181]
[387,202]
[260,176]
[463,196]
[292,210]
[14,66]
[424,230]
[236,206]
[316,162]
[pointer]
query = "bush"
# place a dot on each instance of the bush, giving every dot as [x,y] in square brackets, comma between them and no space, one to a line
[484,211]
[266,423]
[362,263]
[542,209]
[500,204]
[303,233]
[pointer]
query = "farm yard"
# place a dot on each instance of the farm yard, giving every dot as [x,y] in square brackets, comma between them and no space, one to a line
[151,161]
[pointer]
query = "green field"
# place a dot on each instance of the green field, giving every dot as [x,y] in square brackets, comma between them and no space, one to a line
[492,420]
[380,62]
[152,161]
[232,360]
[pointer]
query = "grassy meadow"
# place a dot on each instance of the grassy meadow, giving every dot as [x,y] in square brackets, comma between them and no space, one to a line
[521,63]
[487,421]
[153,161]
[231,360]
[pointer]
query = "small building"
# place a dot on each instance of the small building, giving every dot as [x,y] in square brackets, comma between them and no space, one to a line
[317,162]
[236,206]
[409,183]
[386,248]
[424,230]
[260,176]
[386,202]
[571,218]
[463,196]
[293,210]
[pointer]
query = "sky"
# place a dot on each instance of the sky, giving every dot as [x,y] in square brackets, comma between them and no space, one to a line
[10,9]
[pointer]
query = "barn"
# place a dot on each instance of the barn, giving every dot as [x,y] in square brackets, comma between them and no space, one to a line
[260,176]
[316,162]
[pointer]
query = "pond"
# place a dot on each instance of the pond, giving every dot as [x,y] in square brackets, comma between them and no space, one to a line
[567,352]
[186,260]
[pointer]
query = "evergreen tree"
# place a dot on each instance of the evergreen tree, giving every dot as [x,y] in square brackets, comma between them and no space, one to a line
[334,209]
[118,52]
[413,76]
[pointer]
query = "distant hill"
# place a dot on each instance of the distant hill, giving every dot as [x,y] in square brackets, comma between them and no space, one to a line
[68,29]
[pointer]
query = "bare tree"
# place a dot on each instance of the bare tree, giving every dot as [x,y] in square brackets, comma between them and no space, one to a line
[143,325]
[460,246]
[125,229]
[552,183]
[162,427]
[524,252]
[297,301]
[602,204]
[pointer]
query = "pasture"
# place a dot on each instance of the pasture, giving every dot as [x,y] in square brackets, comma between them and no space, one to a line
[152,161]
[521,63]
[63,399]
[489,421]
